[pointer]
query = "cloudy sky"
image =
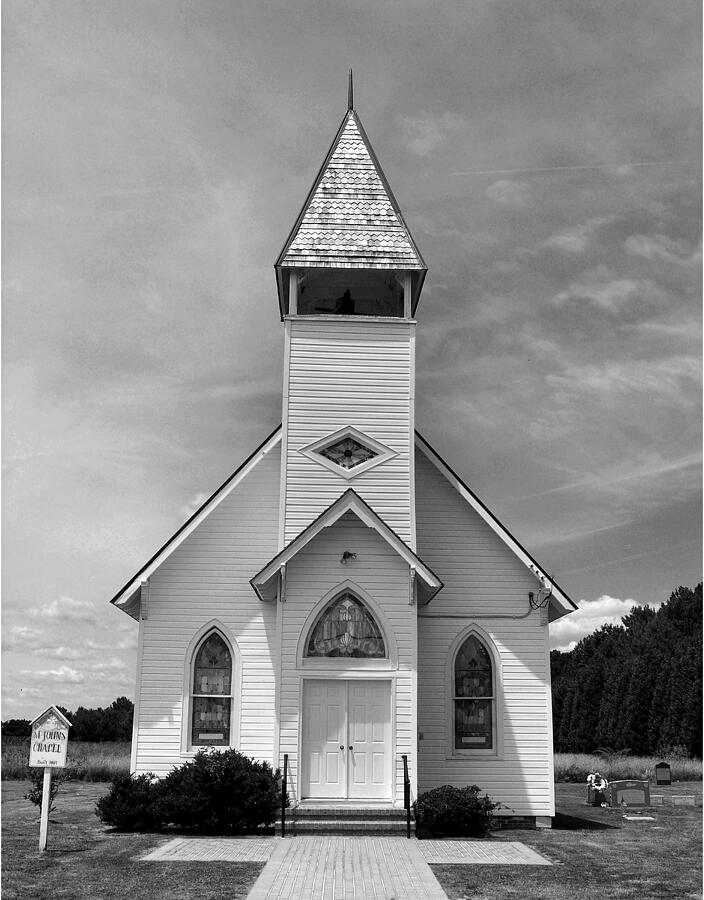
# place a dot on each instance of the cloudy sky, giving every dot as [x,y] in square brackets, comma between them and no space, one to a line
[156,152]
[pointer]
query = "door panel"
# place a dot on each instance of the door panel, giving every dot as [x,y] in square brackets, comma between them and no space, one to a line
[324,713]
[370,738]
[357,715]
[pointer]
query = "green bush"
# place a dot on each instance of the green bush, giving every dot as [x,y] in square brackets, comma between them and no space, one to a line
[220,792]
[454,812]
[132,804]
[36,793]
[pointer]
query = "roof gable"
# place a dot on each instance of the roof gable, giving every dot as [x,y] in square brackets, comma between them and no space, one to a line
[560,603]
[128,598]
[266,581]
[351,218]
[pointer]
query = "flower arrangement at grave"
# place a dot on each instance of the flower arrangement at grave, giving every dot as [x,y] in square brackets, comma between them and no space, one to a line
[596,786]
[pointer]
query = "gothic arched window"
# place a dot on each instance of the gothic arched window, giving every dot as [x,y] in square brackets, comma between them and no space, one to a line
[473,697]
[211,693]
[346,628]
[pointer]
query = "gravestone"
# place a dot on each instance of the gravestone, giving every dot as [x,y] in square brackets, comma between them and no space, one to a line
[663,775]
[630,793]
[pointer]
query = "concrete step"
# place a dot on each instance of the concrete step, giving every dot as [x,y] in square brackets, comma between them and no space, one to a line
[344,825]
[326,818]
[358,811]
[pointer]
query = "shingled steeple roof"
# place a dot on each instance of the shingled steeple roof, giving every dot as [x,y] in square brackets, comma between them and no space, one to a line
[351,218]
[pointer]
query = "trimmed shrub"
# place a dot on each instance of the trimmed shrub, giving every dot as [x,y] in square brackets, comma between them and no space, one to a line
[220,792]
[217,792]
[132,804]
[454,812]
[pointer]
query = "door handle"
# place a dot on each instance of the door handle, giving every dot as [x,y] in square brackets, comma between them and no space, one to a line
[350,747]
[342,746]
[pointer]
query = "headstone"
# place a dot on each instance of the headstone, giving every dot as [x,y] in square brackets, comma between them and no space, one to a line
[630,793]
[683,800]
[663,774]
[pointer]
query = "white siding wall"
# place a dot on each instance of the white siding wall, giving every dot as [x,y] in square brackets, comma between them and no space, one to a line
[355,373]
[207,577]
[379,572]
[485,584]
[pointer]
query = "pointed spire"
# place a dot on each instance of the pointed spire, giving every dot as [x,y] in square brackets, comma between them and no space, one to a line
[350,92]
[350,219]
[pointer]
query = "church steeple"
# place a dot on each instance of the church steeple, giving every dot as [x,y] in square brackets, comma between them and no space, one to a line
[350,236]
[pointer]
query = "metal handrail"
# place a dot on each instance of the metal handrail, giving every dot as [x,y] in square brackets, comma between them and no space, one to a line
[406,794]
[284,795]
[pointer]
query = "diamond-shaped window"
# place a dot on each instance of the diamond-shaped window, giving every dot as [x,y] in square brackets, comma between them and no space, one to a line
[348,452]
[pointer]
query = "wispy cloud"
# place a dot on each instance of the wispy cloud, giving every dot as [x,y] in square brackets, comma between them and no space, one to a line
[509,193]
[577,239]
[660,248]
[608,294]
[66,609]
[63,674]
[425,133]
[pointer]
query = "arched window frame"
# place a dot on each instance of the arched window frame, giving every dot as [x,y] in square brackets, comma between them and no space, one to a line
[188,748]
[390,661]
[497,751]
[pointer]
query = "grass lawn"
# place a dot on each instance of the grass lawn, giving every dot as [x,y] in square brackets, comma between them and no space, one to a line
[85,860]
[596,853]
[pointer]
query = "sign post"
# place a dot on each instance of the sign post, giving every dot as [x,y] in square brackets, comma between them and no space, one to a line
[47,749]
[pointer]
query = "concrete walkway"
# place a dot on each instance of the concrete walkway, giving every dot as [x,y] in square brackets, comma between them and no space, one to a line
[346,868]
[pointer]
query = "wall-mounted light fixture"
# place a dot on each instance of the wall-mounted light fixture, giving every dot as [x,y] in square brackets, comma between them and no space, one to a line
[346,556]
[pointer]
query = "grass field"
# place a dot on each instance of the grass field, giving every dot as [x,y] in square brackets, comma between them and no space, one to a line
[596,853]
[574,767]
[100,762]
[85,860]
[86,761]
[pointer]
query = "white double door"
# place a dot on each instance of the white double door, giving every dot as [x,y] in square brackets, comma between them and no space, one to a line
[346,746]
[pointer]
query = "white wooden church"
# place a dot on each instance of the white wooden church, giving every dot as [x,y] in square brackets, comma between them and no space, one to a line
[344,598]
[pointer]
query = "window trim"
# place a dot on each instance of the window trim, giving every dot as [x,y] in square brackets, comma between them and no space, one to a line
[383,453]
[338,664]
[497,751]
[188,749]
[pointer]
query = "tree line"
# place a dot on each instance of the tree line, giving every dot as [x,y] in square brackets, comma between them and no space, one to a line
[635,687]
[113,723]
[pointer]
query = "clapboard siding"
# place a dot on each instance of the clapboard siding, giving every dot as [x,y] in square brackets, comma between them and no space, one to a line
[354,373]
[205,578]
[380,574]
[485,584]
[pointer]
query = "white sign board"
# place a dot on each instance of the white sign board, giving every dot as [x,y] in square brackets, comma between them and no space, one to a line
[49,742]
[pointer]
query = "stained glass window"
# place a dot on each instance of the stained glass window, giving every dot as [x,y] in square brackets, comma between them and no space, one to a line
[346,628]
[348,453]
[473,697]
[212,693]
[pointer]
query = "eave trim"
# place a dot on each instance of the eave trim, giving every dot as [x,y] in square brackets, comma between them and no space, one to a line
[123,596]
[559,600]
[350,501]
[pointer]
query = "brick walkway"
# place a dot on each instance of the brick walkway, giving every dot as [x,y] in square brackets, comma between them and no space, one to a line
[477,853]
[347,868]
[342,868]
[212,849]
